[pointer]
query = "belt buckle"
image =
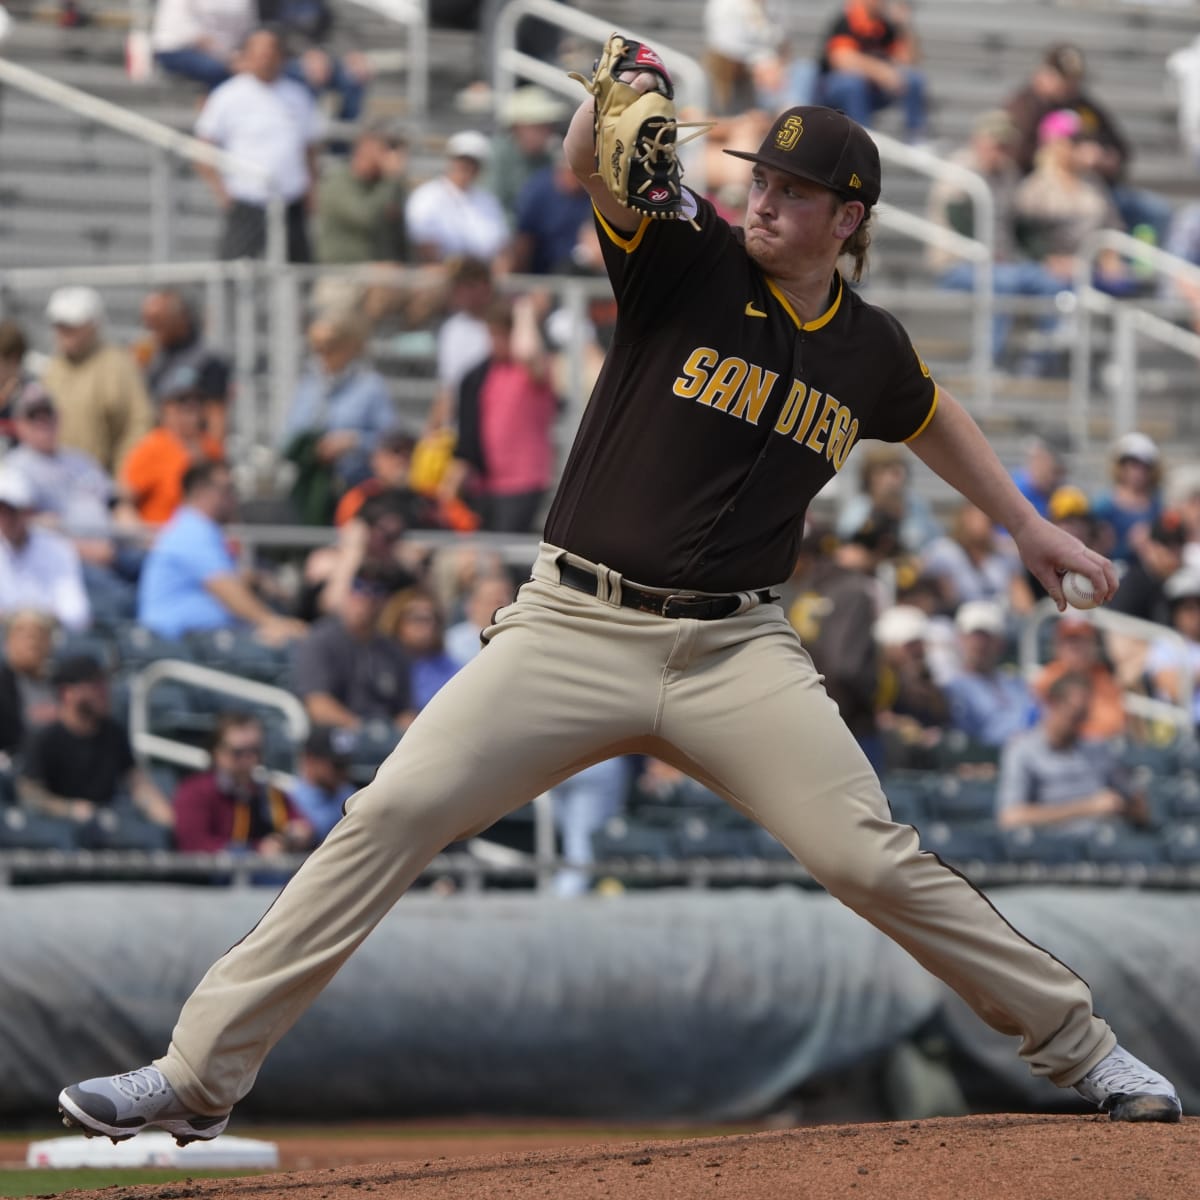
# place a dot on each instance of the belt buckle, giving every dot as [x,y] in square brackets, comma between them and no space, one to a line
[675,598]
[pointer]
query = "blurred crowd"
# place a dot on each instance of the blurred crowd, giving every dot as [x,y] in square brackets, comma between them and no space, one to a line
[117,493]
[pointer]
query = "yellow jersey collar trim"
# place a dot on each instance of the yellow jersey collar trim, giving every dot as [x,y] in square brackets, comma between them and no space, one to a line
[628,244]
[821,321]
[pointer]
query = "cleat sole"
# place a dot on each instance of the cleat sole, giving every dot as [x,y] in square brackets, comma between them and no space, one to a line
[1146,1108]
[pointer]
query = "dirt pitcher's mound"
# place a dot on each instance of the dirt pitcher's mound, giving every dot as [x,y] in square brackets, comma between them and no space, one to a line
[971,1158]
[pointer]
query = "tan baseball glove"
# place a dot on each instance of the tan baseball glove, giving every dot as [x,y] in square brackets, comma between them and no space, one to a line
[636,131]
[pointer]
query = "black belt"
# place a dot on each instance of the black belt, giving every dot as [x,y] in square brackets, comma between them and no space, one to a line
[698,608]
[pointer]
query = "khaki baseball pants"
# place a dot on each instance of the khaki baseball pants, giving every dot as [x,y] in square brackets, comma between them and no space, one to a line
[568,679]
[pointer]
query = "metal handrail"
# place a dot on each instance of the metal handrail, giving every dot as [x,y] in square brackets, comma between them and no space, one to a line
[163,138]
[1177,714]
[689,74]
[413,16]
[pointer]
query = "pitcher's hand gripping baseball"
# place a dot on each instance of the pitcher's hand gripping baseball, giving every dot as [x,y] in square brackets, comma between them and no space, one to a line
[636,130]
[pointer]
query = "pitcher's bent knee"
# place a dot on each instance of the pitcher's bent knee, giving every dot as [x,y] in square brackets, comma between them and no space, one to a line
[874,867]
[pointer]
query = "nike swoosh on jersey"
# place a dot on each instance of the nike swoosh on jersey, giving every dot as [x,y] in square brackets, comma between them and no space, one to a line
[751,311]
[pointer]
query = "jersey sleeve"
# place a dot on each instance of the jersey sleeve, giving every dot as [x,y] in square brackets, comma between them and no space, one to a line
[660,262]
[910,395]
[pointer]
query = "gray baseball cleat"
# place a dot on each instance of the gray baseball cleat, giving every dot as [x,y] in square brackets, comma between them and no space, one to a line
[1128,1090]
[120,1106]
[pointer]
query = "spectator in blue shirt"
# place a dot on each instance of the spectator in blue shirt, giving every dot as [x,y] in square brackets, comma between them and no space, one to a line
[990,705]
[1131,505]
[341,402]
[190,581]
[1045,471]
[324,783]
[550,209]
[413,619]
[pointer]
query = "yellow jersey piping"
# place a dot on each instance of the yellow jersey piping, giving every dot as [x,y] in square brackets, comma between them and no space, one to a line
[920,429]
[820,321]
[628,244]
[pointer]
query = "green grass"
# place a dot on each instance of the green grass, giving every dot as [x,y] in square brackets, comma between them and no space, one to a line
[38,1181]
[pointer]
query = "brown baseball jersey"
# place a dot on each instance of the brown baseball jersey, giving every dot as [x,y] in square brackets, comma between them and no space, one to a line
[719,414]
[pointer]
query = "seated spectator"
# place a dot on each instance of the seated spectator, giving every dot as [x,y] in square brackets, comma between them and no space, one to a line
[81,766]
[913,711]
[1057,84]
[231,807]
[39,568]
[504,457]
[1134,499]
[199,39]
[454,214]
[324,786]
[1174,670]
[190,582]
[154,471]
[1060,206]
[360,206]
[463,341]
[550,210]
[1050,775]
[1044,472]
[976,562]
[13,349]
[373,541]
[527,145]
[27,698]
[341,408]
[1078,650]
[102,402]
[1141,592]
[348,673]
[836,597]
[174,340]
[885,493]
[259,116]
[307,28]
[1014,272]
[413,619]
[987,702]
[489,593]
[868,63]
[73,494]
[1070,509]
[746,56]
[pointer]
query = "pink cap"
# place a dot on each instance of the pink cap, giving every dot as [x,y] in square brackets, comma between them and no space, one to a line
[1062,123]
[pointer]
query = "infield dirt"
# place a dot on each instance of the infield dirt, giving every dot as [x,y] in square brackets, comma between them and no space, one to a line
[967,1158]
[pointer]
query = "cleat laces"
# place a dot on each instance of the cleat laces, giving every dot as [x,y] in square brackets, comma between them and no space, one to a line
[142,1083]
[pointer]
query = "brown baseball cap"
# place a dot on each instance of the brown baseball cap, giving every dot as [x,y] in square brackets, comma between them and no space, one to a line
[824,145]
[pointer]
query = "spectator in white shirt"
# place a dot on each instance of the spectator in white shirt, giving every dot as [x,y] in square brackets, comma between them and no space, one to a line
[463,341]
[199,39]
[263,118]
[454,214]
[39,569]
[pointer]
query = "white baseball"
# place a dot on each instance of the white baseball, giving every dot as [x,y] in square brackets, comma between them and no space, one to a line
[1078,590]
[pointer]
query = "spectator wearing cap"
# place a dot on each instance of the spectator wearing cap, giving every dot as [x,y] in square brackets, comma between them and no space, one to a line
[27,699]
[102,402]
[190,582]
[989,153]
[1078,650]
[73,494]
[529,143]
[1061,206]
[341,407]
[199,39]
[454,214]
[1057,83]
[323,785]
[345,671]
[1173,670]
[1070,509]
[1131,503]
[1052,776]
[913,710]
[885,493]
[231,806]
[174,339]
[155,468]
[868,63]
[261,117]
[987,702]
[81,765]
[360,206]
[39,567]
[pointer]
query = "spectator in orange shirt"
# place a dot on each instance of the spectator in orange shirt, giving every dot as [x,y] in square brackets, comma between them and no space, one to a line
[1078,651]
[154,470]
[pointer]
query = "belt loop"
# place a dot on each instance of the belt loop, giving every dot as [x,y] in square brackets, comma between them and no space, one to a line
[614,586]
[602,583]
